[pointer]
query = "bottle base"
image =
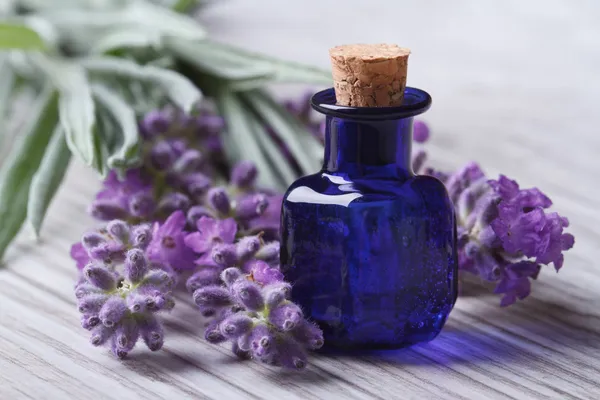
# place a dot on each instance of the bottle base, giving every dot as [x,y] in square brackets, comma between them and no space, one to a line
[333,346]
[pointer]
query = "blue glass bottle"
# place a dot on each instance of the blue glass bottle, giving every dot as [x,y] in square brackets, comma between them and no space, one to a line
[369,247]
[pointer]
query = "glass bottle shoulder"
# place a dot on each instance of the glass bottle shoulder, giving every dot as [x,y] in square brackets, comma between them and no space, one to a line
[338,189]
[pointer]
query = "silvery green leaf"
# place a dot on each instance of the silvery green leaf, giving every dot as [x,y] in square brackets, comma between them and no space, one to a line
[238,138]
[273,152]
[229,60]
[136,13]
[44,29]
[128,152]
[239,76]
[284,124]
[126,37]
[76,106]
[7,83]
[47,179]
[179,89]
[17,36]
[17,172]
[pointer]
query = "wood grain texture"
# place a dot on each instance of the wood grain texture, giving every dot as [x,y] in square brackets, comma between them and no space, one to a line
[515,87]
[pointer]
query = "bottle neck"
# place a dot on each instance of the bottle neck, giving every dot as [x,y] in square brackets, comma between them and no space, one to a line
[368,148]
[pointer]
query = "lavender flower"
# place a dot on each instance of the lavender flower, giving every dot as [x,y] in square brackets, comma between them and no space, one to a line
[505,234]
[119,300]
[259,320]
[168,245]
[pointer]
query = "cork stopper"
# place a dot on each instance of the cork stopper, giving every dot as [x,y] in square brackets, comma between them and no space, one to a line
[369,75]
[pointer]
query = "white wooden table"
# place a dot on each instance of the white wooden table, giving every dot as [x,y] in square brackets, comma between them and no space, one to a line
[515,86]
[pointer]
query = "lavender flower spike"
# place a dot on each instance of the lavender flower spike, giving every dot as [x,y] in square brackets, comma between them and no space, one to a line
[119,301]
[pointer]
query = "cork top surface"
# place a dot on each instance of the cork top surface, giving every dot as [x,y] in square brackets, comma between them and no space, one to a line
[369,52]
[369,75]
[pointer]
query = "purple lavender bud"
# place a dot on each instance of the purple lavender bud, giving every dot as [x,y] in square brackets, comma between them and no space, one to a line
[91,303]
[418,161]
[213,334]
[219,200]
[100,335]
[249,294]
[91,240]
[173,202]
[117,352]
[141,236]
[309,334]
[212,296]
[244,342]
[488,238]
[224,254]
[154,123]
[158,278]
[210,124]
[241,354]
[291,354]
[106,210]
[152,333]
[244,174]
[119,230]
[472,249]
[162,155]
[487,210]
[189,161]
[205,277]
[85,289]
[286,316]
[136,303]
[112,311]
[278,290]
[197,184]
[154,299]
[251,206]
[100,277]
[142,205]
[102,252]
[247,247]
[262,341]
[89,321]
[273,298]
[236,325]
[195,213]
[136,265]
[420,132]
[269,252]
[230,275]
[127,334]
[207,312]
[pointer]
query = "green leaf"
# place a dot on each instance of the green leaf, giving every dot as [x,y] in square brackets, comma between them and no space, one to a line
[128,153]
[76,106]
[273,152]
[245,70]
[183,6]
[127,37]
[7,84]
[238,138]
[141,14]
[202,57]
[15,36]
[284,124]
[18,170]
[179,89]
[47,179]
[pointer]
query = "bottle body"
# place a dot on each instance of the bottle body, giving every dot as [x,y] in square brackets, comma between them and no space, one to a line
[369,247]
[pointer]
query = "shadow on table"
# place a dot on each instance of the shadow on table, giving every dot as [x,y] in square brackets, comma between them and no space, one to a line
[481,332]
